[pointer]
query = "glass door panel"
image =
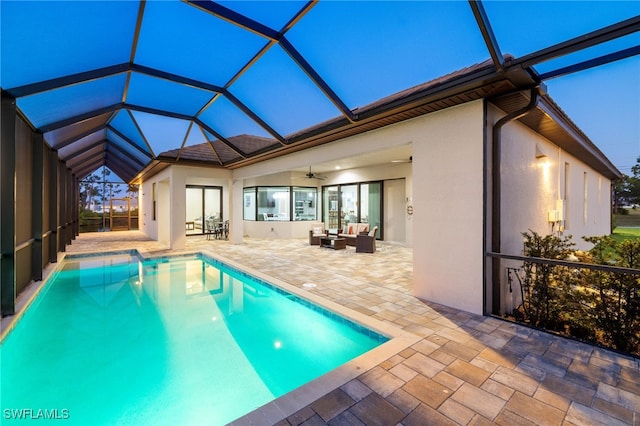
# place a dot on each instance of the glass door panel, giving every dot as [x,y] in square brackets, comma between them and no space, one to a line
[330,208]
[348,204]
[212,207]
[371,205]
[203,205]
[194,218]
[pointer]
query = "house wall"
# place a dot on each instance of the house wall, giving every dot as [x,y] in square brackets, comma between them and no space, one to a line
[169,226]
[448,206]
[446,229]
[531,187]
[278,172]
[293,229]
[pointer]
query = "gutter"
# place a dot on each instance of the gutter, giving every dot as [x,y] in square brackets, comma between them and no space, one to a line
[496,218]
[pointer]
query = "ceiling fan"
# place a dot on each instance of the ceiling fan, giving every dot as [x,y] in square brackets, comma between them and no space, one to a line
[312,175]
[403,160]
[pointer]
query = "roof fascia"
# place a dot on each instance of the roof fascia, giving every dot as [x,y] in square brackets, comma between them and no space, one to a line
[548,107]
[154,167]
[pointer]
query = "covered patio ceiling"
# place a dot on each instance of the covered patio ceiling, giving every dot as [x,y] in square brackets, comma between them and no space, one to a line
[131,85]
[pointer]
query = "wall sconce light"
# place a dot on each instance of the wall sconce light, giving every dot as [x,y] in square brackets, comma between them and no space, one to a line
[540,153]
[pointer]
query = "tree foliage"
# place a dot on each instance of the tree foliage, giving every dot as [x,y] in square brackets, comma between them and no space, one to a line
[96,189]
[591,304]
[627,190]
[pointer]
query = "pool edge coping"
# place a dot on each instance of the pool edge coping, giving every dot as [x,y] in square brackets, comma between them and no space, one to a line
[295,400]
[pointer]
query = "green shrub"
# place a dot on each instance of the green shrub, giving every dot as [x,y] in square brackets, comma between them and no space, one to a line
[593,305]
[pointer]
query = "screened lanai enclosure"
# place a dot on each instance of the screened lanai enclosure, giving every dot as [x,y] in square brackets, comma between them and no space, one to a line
[138,86]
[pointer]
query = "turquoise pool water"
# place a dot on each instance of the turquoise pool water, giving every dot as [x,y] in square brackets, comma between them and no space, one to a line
[182,340]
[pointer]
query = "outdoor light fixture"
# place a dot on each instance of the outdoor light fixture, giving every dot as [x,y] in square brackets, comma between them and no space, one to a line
[540,153]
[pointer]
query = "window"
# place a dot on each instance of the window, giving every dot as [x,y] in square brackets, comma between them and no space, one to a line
[585,184]
[273,203]
[249,205]
[304,202]
[280,203]
[153,201]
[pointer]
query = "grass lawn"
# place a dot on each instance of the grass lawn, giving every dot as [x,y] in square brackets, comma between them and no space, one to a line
[621,234]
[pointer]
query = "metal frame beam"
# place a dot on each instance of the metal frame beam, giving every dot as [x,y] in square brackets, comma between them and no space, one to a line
[88,168]
[591,63]
[584,41]
[130,157]
[81,117]
[69,159]
[8,118]
[487,34]
[130,142]
[82,135]
[221,139]
[52,208]
[254,117]
[68,80]
[236,18]
[37,179]
[317,80]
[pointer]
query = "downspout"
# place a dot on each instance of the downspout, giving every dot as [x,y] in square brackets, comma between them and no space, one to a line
[496,220]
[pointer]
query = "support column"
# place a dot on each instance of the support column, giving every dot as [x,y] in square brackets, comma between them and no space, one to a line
[53,206]
[62,206]
[236,211]
[36,206]
[7,205]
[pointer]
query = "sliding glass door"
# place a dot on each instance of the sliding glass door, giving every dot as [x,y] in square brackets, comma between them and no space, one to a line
[352,203]
[371,205]
[203,203]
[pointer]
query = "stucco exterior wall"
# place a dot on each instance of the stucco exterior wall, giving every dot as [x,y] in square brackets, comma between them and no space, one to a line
[448,206]
[538,178]
[535,175]
[169,226]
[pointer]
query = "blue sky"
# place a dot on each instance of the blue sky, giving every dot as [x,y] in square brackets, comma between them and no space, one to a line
[368,50]
[390,46]
[364,50]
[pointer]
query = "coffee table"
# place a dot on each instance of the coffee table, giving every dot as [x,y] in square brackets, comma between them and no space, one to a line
[332,242]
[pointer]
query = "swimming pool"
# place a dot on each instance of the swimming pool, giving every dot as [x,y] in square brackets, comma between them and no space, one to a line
[180,340]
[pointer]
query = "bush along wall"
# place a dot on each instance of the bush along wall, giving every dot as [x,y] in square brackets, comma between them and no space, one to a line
[601,307]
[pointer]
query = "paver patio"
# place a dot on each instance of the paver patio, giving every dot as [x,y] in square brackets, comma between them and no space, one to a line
[464,368]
